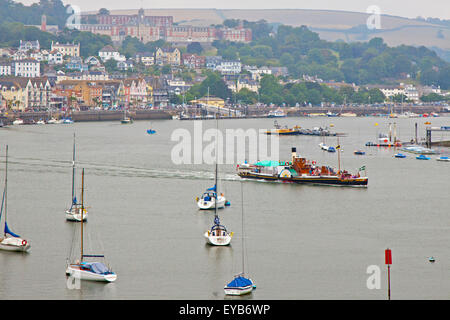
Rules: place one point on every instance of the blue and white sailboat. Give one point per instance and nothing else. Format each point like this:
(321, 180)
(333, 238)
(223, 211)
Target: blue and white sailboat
(240, 285)
(10, 241)
(209, 198)
(151, 131)
(83, 270)
(75, 213)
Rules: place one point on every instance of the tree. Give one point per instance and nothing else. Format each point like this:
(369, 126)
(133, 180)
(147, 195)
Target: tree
(103, 11)
(194, 47)
(246, 96)
(217, 87)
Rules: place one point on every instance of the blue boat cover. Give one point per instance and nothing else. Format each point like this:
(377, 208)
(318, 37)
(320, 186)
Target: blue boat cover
(7, 231)
(97, 267)
(212, 188)
(240, 282)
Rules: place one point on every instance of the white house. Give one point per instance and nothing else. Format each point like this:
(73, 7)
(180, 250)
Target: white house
(55, 57)
(27, 68)
(109, 52)
(229, 67)
(5, 69)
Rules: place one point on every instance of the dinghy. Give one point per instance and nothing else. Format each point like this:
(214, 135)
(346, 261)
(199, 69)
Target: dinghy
(443, 158)
(422, 157)
(399, 155)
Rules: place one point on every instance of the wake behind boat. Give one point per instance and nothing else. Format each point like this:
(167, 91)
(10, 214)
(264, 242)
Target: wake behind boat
(10, 241)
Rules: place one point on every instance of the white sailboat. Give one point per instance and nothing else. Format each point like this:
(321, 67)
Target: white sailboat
(75, 213)
(240, 285)
(125, 119)
(83, 270)
(218, 235)
(10, 241)
(210, 199)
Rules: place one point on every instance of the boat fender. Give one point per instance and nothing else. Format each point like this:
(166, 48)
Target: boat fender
(24, 242)
(196, 199)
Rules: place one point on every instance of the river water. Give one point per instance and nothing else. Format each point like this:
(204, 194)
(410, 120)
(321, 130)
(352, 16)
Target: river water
(301, 241)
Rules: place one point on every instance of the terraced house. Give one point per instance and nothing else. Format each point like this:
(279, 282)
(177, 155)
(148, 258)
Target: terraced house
(25, 93)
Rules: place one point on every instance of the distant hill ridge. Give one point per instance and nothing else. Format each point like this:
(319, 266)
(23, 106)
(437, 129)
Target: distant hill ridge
(331, 25)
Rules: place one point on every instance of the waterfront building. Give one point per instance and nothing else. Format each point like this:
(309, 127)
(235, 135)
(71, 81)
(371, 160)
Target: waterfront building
(25, 93)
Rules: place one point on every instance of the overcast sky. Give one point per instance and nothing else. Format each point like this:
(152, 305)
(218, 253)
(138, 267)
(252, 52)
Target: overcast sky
(403, 8)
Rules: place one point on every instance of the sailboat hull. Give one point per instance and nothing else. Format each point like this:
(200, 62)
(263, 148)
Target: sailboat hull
(238, 291)
(14, 244)
(217, 240)
(77, 273)
(75, 215)
(210, 204)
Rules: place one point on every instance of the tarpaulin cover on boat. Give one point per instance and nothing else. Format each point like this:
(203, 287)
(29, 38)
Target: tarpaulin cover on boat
(10, 232)
(240, 282)
(268, 163)
(212, 188)
(97, 267)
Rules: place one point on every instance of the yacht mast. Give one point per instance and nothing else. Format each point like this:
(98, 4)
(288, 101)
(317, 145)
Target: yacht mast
(82, 209)
(6, 185)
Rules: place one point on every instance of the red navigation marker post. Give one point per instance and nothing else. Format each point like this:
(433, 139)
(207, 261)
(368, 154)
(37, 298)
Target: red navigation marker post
(388, 261)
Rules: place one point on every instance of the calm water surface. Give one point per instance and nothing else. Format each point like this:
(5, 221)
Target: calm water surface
(302, 242)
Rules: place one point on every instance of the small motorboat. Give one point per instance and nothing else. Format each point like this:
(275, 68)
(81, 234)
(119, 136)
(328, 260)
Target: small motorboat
(126, 121)
(40, 122)
(422, 157)
(18, 121)
(443, 158)
(331, 149)
(239, 286)
(359, 152)
(67, 121)
(52, 121)
(151, 131)
(399, 155)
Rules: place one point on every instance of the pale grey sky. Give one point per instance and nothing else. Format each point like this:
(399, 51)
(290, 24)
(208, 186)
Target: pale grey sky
(403, 8)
